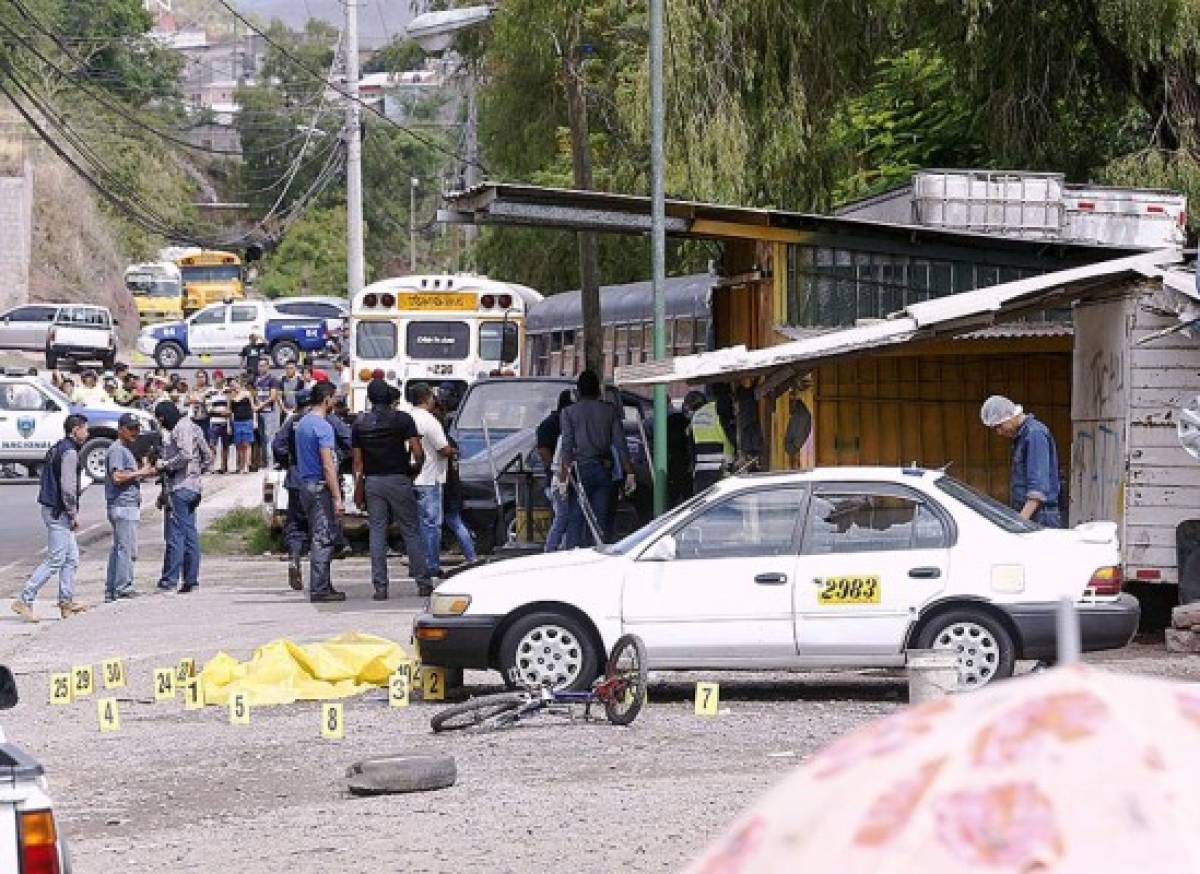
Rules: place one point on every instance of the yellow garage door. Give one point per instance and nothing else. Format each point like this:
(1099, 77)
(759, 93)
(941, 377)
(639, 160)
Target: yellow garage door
(925, 409)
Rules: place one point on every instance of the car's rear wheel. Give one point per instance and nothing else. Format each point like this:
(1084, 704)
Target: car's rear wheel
(550, 649)
(983, 646)
(285, 352)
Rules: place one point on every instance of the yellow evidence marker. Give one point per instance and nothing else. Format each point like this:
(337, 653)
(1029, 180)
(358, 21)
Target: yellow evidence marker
(332, 725)
(164, 684)
(193, 694)
(60, 688)
(113, 673)
(239, 709)
(186, 669)
(708, 696)
(398, 689)
(108, 713)
(433, 684)
(83, 681)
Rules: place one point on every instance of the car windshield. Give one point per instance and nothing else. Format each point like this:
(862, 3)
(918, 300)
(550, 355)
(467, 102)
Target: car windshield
(651, 530)
(986, 506)
(508, 406)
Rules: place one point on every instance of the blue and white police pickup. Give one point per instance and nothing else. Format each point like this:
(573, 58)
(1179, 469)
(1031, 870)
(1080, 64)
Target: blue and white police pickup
(225, 328)
(32, 413)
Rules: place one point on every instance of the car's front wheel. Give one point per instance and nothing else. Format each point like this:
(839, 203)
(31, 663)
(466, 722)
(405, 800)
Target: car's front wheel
(984, 648)
(550, 649)
(92, 458)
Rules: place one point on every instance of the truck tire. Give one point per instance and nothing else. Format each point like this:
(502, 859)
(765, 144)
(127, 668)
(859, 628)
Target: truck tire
(401, 773)
(169, 354)
(284, 352)
(91, 457)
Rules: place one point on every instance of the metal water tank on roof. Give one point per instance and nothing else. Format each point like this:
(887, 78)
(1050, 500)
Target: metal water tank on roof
(990, 201)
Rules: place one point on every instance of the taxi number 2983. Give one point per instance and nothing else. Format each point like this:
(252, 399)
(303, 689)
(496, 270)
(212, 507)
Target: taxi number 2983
(849, 590)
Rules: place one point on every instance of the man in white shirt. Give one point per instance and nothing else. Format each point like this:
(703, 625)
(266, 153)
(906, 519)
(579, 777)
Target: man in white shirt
(428, 483)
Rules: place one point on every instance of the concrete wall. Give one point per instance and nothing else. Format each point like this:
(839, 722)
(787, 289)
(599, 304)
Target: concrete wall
(16, 236)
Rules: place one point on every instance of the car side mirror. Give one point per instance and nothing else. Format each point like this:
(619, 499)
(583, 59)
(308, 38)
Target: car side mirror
(662, 550)
(8, 689)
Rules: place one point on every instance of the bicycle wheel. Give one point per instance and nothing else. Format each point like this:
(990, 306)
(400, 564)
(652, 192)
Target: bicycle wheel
(624, 683)
(478, 711)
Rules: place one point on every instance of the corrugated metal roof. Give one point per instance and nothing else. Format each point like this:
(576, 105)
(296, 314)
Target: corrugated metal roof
(949, 316)
(1007, 331)
(686, 296)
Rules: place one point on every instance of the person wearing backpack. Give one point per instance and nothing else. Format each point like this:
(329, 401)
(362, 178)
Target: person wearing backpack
(58, 495)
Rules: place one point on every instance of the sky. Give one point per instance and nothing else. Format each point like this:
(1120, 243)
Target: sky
(378, 20)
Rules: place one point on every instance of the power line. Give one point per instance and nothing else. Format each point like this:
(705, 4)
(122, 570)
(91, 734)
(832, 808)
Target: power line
(300, 64)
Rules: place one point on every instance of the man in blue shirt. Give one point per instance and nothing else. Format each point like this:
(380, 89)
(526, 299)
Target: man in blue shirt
(123, 495)
(320, 493)
(1035, 484)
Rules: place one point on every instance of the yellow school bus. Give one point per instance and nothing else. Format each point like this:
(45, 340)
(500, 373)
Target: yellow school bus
(210, 276)
(157, 290)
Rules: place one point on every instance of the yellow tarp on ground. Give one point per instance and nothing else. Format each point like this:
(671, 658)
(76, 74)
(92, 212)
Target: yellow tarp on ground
(281, 672)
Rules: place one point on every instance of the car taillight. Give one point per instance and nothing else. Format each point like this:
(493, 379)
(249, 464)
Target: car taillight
(1106, 581)
(39, 843)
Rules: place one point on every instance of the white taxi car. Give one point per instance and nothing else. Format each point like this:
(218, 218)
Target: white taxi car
(833, 568)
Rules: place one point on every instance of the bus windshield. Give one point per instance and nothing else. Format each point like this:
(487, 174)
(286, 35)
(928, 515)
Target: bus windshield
(152, 285)
(216, 273)
(438, 341)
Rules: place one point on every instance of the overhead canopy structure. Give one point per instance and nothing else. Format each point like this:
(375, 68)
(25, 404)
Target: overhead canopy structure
(497, 203)
(941, 317)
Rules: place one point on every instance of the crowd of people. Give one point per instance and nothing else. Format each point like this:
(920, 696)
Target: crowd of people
(404, 467)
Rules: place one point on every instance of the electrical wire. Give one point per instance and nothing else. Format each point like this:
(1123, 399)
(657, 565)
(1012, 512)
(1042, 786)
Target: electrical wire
(301, 65)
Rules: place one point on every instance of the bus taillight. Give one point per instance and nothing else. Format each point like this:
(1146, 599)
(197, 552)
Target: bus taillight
(505, 301)
(370, 300)
(387, 300)
(487, 301)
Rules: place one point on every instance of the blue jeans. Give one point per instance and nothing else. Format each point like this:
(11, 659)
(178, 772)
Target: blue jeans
(183, 541)
(323, 526)
(62, 557)
(429, 507)
(454, 521)
(119, 579)
(596, 479)
(558, 524)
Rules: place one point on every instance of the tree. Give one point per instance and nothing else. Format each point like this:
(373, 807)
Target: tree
(397, 56)
(312, 257)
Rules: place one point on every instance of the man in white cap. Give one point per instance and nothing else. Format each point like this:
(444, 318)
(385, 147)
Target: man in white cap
(1035, 484)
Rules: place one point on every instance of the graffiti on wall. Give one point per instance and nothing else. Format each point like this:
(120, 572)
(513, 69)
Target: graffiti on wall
(1097, 471)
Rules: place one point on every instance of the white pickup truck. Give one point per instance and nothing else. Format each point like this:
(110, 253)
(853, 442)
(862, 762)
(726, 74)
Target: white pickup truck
(225, 328)
(30, 842)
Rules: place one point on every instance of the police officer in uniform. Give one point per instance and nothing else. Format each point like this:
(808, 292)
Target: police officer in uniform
(295, 525)
(714, 450)
(58, 495)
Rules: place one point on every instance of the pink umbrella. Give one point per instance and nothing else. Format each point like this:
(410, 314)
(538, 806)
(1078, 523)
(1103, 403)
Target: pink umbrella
(1073, 769)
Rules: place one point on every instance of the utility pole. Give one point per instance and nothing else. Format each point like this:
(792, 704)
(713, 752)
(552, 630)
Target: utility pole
(355, 273)
(413, 182)
(658, 249)
(471, 174)
(581, 164)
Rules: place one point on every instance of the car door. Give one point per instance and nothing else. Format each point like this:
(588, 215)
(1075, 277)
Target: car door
(243, 321)
(30, 420)
(717, 589)
(871, 555)
(26, 327)
(207, 329)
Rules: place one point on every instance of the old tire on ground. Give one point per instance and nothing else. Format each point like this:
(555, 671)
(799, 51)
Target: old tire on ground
(983, 645)
(285, 352)
(92, 457)
(169, 354)
(403, 772)
(469, 714)
(550, 648)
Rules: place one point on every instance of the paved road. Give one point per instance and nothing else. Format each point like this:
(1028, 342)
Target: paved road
(22, 535)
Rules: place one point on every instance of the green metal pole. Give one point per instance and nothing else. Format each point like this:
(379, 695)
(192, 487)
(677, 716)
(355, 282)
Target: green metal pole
(658, 249)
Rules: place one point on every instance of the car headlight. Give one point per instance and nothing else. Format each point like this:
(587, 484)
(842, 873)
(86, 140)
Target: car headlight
(449, 605)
